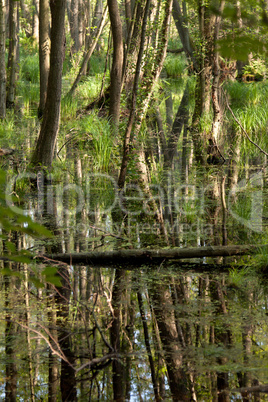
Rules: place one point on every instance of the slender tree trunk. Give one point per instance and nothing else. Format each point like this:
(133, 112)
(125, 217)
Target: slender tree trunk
(137, 114)
(44, 151)
(44, 52)
(29, 344)
(223, 336)
(148, 347)
(117, 66)
(93, 42)
(12, 53)
(10, 336)
(216, 91)
(181, 25)
(127, 140)
(118, 367)
(35, 20)
(2, 59)
(76, 25)
(53, 365)
(134, 39)
(180, 120)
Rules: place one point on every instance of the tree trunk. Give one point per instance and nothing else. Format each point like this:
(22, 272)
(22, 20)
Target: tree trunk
(181, 25)
(2, 60)
(118, 367)
(148, 347)
(92, 45)
(75, 25)
(164, 313)
(35, 20)
(117, 66)
(12, 53)
(216, 90)
(44, 151)
(44, 52)
(137, 114)
(10, 336)
(150, 256)
(127, 139)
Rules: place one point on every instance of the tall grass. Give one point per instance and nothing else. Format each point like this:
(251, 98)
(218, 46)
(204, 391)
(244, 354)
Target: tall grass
(100, 142)
(175, 66)
(249, 104)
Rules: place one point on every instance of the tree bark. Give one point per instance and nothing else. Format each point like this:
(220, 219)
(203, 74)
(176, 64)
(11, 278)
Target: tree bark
(12, 53)
(164, 313)
(44, 53)
(44, 151)
(183, 31)
(2, 60)
(118, 367)
(117, 66)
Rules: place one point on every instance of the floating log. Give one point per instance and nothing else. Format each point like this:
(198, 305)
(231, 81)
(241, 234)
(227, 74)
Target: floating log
(149, 256)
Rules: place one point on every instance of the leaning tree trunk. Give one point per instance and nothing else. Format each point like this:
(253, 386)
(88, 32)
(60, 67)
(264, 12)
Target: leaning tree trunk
(44, 151)
(2, 60)
(44, 51)
(137, 113)
(92, 45)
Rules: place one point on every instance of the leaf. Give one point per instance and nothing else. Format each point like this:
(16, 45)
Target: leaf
(9, 272)
(33, 227)
(51, 276)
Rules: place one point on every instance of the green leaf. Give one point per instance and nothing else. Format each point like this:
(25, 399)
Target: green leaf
(51, 276)
(9, 272)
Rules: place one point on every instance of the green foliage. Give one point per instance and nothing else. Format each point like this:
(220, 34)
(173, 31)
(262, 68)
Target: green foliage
(29, 68)
(175, 66)
(249, 104)
(98, 136)
(257, 68)
(239, 47)
(28, 45)
(50, 275)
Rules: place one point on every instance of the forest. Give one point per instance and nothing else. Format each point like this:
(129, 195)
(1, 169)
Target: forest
(133, 202)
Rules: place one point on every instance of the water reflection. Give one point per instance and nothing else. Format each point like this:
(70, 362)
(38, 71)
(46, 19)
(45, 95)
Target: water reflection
(158, 332)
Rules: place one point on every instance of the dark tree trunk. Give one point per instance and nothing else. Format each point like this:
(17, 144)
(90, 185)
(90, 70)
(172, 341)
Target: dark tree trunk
(117, 66)
(118, 367)
(44, 151)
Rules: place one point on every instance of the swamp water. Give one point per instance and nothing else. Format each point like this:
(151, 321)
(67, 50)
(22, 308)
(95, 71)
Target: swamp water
(179, 330)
